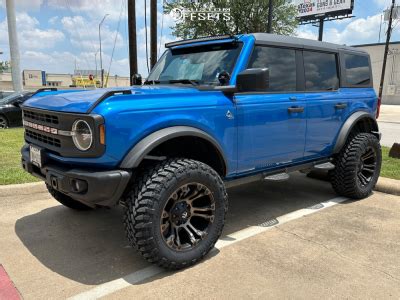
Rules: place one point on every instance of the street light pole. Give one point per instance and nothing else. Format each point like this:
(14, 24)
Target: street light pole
(385, 54)
(101, 56)
(95, 61)
(14, 48)
(270, 12)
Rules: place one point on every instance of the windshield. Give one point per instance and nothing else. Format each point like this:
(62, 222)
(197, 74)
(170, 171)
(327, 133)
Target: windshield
(201, 64)
(11, 98)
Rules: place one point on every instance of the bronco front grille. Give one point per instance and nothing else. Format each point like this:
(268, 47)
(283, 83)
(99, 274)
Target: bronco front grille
(42, 117)
(43, 138)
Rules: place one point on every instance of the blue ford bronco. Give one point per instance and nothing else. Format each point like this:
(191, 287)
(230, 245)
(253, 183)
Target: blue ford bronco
(213, 113)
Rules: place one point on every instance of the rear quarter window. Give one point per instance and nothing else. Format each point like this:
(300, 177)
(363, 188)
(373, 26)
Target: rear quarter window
(358, 70)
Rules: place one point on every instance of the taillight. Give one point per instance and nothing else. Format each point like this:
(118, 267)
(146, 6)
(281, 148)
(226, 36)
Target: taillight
(378, 108)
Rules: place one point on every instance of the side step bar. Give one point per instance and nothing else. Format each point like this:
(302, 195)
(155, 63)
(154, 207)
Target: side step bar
(277, 174)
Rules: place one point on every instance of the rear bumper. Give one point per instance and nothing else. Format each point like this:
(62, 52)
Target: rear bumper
(90, 187)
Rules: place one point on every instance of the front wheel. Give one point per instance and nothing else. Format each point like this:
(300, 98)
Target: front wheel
(358, 166)
(175, 212)
(3, 122)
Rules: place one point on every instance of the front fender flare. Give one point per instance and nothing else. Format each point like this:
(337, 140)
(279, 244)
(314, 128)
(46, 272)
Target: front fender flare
(141, 149)
(349, 125)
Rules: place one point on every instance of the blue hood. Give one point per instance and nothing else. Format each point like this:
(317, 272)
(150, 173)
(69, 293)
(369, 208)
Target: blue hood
(82, 101)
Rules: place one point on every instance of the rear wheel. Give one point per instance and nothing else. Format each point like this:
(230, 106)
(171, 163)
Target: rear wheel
(358, 166)
(66, 200)
(3, 122)
(175, 213)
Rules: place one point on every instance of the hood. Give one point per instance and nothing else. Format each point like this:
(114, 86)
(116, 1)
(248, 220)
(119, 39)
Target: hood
(82, 101)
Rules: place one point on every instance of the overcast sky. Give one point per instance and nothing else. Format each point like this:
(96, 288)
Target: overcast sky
(54, 34)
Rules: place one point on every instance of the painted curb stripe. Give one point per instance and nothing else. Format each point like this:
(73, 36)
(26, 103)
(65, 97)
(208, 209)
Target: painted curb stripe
(146, 273)
(7, 288)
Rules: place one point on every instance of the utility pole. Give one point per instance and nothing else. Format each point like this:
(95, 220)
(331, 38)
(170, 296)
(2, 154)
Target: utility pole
(153, 33)
(270, 11)
(389, 33)
(133, 66)
(14, 48)
(321, 29)
(101, 56)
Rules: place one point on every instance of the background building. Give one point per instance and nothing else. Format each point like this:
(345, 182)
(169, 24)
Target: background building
(35, 79)
(391, 90)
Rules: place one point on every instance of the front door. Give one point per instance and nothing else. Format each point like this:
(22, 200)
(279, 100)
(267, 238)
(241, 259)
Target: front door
(271, 124)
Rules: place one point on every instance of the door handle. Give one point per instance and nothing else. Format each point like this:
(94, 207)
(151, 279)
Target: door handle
(296, 109)
(340, 106)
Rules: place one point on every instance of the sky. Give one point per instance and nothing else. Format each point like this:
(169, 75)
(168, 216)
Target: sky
(56, 35)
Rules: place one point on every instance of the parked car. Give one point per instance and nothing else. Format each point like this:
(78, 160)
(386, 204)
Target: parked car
(213, 113)
(4, 94)
(10, 110)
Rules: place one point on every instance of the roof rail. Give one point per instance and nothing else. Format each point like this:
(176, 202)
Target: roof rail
(203, 39)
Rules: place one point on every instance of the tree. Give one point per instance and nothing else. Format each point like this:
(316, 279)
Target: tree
(4, 66)
(244, 17)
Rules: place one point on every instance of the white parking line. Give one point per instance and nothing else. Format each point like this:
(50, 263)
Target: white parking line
(146, 273)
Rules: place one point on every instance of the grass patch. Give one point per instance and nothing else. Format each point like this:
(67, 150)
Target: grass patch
(390, 166)
(11, 141)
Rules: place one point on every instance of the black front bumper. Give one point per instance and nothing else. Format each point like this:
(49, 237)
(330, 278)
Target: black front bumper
(91, 187)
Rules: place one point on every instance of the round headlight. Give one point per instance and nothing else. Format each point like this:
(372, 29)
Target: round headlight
(82, 135)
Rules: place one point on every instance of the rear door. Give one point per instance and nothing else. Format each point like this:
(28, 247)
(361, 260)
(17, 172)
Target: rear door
(272, 124)
(327, 107)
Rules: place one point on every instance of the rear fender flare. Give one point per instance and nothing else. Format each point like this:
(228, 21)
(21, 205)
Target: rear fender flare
(349, 125)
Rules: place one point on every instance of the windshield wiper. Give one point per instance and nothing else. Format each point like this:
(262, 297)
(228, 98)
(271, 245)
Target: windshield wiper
(152, 82)
(185, 81)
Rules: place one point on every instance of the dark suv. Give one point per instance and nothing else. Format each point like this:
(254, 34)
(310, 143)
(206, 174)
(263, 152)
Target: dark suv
(213, 113)
(10, 111)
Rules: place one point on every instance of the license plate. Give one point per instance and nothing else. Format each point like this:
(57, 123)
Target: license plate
(36, 156)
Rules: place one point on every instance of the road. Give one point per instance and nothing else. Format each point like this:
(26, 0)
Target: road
(279, 241)
(389, 124)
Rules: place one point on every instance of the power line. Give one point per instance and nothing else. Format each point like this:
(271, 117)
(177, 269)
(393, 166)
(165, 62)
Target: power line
(115, 39)
(161, 30)
(145, 31)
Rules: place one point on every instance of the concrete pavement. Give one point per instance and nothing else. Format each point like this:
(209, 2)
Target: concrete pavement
(349, 250)
(389, 124)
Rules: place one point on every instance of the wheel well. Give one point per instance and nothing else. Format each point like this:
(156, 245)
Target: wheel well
(366, 125)
(191, 147)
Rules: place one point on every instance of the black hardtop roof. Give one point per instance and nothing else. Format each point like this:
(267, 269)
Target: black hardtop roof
(295, 42)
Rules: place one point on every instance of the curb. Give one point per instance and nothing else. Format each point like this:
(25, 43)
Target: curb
(22, 189)
(388, 186)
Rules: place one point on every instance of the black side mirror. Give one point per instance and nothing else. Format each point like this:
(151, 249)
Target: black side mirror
(137, 79)
(253, 80)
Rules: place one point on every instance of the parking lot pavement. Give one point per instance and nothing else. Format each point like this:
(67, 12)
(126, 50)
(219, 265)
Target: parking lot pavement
(349, 250)
(389, 124)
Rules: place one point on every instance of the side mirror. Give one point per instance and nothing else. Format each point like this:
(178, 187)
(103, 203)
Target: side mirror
(17, 103)
(253, 80)
(137, 79)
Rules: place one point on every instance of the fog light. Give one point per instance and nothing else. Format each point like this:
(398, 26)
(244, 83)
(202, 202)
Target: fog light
(78, 186)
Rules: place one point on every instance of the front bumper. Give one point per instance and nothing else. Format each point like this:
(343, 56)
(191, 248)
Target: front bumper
(91, 187)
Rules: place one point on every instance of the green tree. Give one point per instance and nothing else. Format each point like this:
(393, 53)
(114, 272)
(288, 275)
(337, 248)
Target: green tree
(245, 17)
(4, 66)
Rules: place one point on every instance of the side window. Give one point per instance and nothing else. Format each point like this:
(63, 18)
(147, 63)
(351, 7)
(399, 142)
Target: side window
(281, 64)
(321, 72)
(358, 71)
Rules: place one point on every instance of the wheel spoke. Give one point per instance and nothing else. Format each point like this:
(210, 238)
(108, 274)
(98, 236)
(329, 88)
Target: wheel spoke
(364, 180)
(205, 209)
(193, 240)
(369, 170)
(367, 155)
(207, 217)
(196, 231)
(165, 227)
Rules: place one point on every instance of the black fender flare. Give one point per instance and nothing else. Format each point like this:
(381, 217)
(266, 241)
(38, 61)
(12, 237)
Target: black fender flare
(349, 125)
(135, 156)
